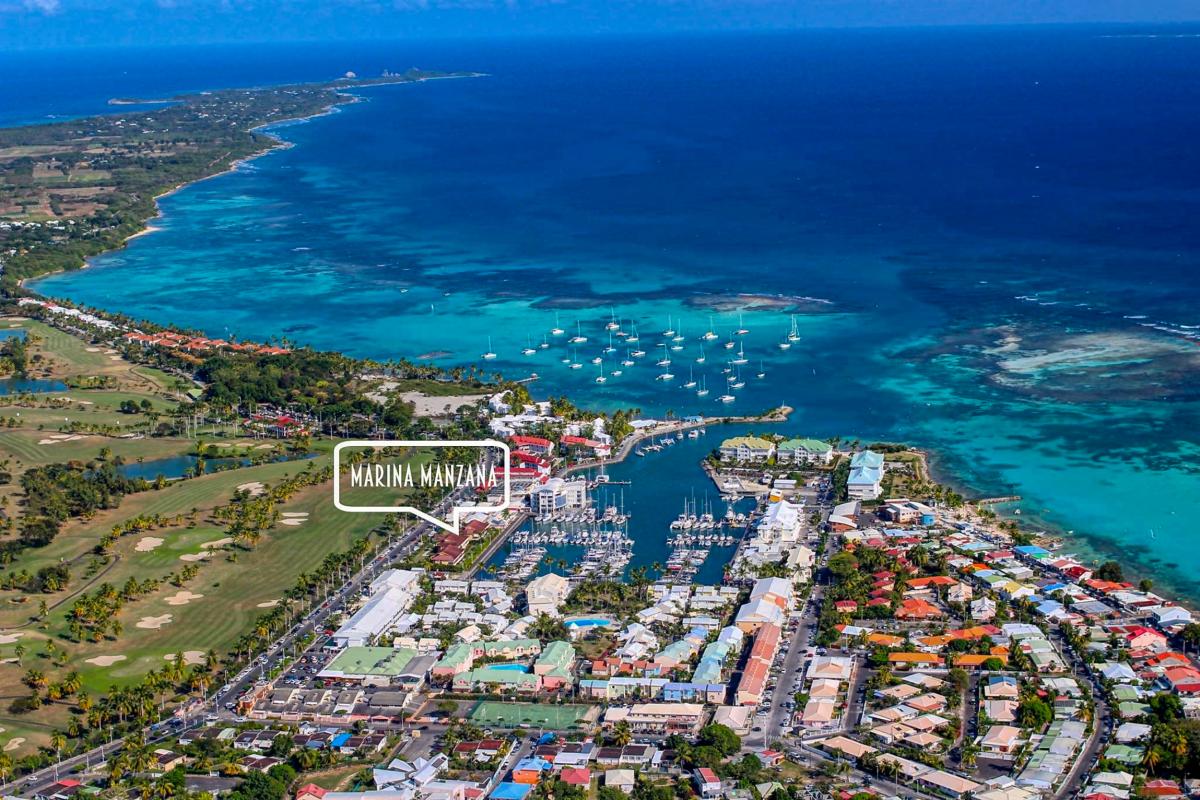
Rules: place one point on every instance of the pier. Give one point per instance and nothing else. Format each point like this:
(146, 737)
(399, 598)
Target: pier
(991, 501)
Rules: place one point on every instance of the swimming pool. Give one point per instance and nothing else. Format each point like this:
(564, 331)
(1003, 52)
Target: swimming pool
(589, 622)
(509, 667)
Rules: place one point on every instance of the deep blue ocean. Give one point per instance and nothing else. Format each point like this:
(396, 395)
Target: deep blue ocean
(986, 239)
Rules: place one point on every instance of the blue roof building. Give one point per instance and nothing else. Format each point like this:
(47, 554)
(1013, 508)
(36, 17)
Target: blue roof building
(511, 791)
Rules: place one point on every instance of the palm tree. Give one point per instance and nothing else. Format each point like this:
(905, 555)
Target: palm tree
(1152, 759)
(622, 734)
(58, 741)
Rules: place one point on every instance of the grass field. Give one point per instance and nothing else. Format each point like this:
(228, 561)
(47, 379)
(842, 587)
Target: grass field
(236, 585)
(498, 714)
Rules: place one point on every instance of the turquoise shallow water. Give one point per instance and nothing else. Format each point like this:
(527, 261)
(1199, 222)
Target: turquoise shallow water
(991, 258)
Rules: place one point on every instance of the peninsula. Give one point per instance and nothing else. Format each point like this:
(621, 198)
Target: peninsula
(76, 188)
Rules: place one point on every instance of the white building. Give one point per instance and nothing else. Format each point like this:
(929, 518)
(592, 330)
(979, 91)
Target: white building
(391, 595)
(544, 595)
(557, 495)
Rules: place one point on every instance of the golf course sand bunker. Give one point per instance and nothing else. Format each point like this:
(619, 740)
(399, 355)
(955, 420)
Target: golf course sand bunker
(195, 556)
(268, 604)
(14, 743)
(190, 657)
(10, 638)
(154, 623)
(217, 543)
(147, 543)
(294, 518)
(182, 598)
(104, 661)
(255, 488)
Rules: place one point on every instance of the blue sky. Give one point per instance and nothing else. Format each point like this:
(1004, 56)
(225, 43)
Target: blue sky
(52, 23)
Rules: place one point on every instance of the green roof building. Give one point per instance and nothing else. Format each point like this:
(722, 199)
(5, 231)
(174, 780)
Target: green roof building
(375, 666)
(804, 451)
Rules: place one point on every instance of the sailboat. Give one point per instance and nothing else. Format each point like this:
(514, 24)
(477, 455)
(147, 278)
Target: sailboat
(557, 329)
(545, 344)
(633, 337)
(575, 360)
(669, 331)
(794, 333)
(610, 348)
(616, 373)
(489, 355)
(628, 362)
(691, 381)
(665, 361)
(710, 334)
(738, 383)
(703, 390)
(597, 360)
(578, 338)
(762, 373)
(638, 353)
(700, 358)
(528, 350)
(678, 337)
(741, 329)
(612, 323)
(741, 357)
(600, 378)
(730, 344)
(726, 398)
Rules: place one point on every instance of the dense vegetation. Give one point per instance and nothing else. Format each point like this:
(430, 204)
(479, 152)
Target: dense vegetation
(57, 492)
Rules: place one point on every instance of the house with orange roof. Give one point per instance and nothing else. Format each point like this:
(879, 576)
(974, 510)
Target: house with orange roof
(885, 640)
(911, 659)
(916, 608)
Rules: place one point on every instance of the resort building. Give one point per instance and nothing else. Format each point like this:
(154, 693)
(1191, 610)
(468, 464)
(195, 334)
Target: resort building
(747, 448)
(544, 595)
(866, 476)
(804, 451)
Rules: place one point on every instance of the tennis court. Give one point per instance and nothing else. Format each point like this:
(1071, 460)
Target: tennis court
(533, 715)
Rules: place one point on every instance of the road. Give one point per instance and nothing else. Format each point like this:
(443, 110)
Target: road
(777, 718)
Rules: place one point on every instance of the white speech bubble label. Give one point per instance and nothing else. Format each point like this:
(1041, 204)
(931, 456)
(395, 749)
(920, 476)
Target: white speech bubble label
(455, 512)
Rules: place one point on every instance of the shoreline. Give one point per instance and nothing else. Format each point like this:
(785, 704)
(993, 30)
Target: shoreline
(277, 143)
